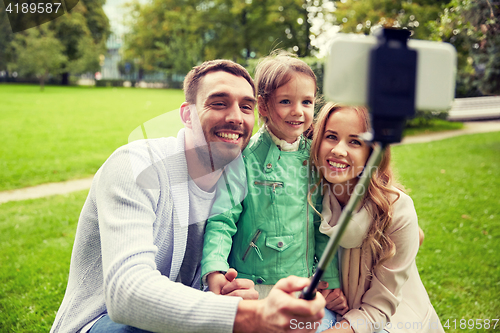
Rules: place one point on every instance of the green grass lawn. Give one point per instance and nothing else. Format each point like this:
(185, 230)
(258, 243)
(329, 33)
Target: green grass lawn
(68, 132)
(454, 186)
(456, 190)
(431, 126)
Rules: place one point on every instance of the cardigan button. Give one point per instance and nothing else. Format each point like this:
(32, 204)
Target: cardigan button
(259, 281)
(269, 165)
(280, 244)
(304, 163)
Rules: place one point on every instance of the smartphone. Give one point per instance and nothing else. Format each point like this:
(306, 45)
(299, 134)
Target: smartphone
(346, 71)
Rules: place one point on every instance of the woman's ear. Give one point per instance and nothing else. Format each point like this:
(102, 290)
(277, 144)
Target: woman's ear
(261, 104)
(185, 113)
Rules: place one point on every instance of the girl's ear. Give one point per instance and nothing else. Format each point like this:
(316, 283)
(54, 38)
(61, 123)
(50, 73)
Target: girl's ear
(262, 107)
(185, 113)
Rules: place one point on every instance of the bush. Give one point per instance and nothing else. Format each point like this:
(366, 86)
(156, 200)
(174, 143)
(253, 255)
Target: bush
(425, 118)
(109, 83)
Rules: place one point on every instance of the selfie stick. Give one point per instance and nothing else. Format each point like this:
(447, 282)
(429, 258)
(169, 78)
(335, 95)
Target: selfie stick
(391, 100)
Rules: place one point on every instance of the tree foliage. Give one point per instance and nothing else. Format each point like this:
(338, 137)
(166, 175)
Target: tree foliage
(38, 53)
(473, 27)
(82, 32)
(174, 35)
(6, 38)
(363, 16)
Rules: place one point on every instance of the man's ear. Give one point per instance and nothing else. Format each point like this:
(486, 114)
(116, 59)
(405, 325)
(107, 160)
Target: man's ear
(261, 105)
(185, 112)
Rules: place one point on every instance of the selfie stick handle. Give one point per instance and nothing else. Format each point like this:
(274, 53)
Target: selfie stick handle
(309, 292)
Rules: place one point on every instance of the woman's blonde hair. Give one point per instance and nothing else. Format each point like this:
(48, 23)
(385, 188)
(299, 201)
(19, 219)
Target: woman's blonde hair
(380, 196)
(275, 71)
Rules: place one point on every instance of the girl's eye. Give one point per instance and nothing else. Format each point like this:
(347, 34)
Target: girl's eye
(285, 101)
(307, 102)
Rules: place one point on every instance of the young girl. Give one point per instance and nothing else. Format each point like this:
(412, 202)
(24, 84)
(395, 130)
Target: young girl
(379, 275)
(272, 234)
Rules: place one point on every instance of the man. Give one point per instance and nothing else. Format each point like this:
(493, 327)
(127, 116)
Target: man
(139, 237)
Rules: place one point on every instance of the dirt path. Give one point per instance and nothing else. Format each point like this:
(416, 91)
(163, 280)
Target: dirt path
(83, 184)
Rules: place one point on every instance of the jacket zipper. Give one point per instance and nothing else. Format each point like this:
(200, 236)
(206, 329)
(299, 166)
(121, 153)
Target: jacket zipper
(269, 183)
(272, 184)
(252, 245)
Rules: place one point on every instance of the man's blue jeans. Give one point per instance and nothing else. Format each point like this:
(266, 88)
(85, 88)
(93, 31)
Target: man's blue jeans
(328, 321)
(106, 325)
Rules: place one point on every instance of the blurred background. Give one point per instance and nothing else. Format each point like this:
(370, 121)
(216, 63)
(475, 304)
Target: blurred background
(154, 43)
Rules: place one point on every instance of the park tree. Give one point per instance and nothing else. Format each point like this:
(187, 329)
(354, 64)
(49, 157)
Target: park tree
(6, 37)
(473, 27)
(83, 32)
(174, 35)
(164, 36)
(38, 52)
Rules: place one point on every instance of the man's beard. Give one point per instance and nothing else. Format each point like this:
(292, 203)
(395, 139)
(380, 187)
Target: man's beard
(216, 155)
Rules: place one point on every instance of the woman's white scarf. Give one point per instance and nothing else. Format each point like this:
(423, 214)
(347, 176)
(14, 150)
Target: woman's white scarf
(356, 230)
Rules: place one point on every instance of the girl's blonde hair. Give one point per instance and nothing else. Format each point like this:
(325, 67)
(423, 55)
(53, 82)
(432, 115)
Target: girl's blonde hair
(275, 71)
(380, 197)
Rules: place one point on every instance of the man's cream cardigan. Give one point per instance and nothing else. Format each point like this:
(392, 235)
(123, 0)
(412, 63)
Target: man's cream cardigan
(130, 244)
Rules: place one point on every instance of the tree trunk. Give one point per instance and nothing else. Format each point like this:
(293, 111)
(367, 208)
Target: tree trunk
(65, 79)
(42, 82)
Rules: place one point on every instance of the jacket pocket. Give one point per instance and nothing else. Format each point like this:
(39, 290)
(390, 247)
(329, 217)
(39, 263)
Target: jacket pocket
(280, 243)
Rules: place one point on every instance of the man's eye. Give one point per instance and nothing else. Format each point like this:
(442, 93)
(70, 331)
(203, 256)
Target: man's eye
(247, 108)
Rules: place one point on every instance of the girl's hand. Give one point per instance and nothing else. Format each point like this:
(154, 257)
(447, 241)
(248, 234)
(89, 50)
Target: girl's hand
(335, 300)
(227, 284)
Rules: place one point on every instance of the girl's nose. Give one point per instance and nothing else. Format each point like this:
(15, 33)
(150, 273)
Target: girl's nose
(297, 110)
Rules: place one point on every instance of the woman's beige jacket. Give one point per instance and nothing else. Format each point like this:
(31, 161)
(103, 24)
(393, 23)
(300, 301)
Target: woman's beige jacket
(391, 296)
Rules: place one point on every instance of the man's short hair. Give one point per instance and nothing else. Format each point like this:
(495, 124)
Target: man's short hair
(193, 78)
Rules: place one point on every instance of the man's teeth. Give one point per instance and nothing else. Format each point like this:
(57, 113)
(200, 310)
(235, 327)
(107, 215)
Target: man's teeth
(229, 136)
(338, 165)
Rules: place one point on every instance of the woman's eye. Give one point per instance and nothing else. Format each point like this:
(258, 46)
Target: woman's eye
(356, 142)
(331, 137)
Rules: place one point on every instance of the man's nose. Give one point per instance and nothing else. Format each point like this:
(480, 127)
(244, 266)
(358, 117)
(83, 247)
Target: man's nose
(234, 114)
